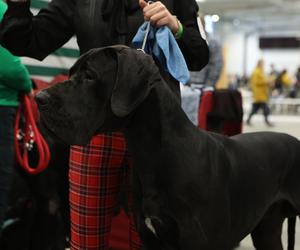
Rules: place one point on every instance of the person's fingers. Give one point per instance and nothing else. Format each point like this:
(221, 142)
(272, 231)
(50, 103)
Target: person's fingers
(151, 8)
(154, 11)
(142, 3)
(31, 94)
(162, 22)
(161, 10)
(160, 19)
(158, 14)
(156, 17)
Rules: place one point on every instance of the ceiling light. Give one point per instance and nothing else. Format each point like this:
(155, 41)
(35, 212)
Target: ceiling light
(236, 22)
(215, 18)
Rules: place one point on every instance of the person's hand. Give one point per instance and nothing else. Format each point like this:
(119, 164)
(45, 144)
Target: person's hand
(159, 15)
(31, 94)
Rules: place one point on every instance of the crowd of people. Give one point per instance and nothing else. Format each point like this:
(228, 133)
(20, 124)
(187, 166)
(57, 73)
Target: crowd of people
(285, 84)
(273, 84)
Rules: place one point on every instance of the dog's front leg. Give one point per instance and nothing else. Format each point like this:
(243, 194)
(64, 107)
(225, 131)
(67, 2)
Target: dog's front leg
(149, 239)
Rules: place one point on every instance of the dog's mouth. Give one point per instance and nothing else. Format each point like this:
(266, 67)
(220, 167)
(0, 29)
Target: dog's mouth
(56, 125)
(52, 128)
(54, 119)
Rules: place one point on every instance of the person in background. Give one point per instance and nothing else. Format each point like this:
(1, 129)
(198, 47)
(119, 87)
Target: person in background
(273, 72)
(298, 77)
(14, 79)
(260, 86)
(283, 82)
(211, 73)
(297, 82)
(97, 169)
(295, 86)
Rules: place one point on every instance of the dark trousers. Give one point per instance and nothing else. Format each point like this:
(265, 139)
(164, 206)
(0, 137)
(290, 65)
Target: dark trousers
(256, 107)
(7, 155)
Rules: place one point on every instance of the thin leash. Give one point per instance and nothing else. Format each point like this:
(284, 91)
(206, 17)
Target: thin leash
(146, 33)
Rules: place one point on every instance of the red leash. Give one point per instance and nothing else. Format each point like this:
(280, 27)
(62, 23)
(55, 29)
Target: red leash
(24, 140)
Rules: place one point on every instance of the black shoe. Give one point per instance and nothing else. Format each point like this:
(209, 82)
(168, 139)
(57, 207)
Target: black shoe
(248, 123)
(269, 124)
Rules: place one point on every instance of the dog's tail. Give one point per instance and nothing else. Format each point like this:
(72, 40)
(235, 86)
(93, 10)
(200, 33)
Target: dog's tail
(291, 232)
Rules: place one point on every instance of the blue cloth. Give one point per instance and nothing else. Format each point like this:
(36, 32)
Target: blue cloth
(162, 44)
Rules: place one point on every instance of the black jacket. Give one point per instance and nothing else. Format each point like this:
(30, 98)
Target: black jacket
(38, 36)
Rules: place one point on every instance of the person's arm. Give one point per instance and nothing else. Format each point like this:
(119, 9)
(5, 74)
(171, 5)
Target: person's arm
(192, 45)
(286, 80)
(13, 73)
(36, 36)
(215, 64)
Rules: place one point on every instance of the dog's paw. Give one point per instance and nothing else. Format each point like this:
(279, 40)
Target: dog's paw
(149, 225)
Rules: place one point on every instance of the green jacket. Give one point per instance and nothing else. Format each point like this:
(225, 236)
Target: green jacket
(14, 77)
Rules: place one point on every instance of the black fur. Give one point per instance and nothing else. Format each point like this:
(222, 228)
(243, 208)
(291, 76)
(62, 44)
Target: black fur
(38, 213)
(201, 190)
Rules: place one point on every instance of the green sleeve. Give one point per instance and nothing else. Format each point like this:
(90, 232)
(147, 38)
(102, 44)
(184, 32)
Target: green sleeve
(13, 73)
(3, 8)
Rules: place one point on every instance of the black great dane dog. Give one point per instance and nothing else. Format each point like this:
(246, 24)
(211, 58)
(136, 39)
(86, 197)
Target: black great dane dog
(193, 189)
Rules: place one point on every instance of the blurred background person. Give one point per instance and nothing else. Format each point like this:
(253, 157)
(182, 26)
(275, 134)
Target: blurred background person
(211, 73)
(296, 86)
(273, 74)
(273, 71)
(260, 86)
(283, 83)
(298, 77)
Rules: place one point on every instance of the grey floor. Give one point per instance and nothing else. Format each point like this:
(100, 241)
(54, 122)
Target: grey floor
(289, 124)
(246, 244)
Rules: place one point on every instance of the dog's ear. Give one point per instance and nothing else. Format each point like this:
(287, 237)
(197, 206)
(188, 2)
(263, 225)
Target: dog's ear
(136, 74)
(80, 61)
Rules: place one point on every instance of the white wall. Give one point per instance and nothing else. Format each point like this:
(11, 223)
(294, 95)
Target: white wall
(234, 50)
(283, 59)
(235, 44)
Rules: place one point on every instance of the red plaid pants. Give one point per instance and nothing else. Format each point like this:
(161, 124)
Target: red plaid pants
(96, 172)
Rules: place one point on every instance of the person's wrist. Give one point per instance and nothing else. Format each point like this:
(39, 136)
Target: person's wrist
(178, 34)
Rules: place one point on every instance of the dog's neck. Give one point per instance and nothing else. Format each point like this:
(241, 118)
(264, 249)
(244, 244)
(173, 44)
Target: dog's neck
(156, 120)
(158, 128)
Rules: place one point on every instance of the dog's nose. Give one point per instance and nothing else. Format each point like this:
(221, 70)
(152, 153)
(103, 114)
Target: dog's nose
(42, 98)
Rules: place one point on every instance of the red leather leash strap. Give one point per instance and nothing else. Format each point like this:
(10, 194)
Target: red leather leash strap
(24, 140)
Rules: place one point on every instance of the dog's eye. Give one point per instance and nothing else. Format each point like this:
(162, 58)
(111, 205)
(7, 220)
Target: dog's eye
(88, 71)
(89, 75)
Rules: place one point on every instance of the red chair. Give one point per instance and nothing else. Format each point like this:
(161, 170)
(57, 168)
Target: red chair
(221, 111)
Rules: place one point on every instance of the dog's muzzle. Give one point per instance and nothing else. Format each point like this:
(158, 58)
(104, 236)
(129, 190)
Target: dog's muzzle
(42, 99)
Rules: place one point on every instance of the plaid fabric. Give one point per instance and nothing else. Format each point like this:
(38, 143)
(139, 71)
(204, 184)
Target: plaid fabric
(96, 172)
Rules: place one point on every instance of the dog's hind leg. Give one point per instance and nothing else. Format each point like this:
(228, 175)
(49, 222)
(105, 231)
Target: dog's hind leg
(267, 234)
(291, 186)
(291, 232)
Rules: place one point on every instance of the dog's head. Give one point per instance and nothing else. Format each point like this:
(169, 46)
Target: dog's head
(105, 87)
